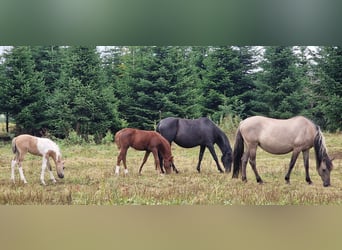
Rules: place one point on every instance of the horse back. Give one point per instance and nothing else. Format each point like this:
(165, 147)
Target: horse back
(26, 143)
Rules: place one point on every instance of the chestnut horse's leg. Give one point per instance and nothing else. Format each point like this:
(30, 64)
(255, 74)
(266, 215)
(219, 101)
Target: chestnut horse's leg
(44, 165)
(52, 178)
(121, 157)
(144, 160)
(156, 160)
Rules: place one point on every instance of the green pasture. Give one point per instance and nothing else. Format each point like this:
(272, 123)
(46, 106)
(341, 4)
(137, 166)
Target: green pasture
(90, 180)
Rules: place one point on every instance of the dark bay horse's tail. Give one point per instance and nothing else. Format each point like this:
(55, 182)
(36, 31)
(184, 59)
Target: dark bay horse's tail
(238, 152)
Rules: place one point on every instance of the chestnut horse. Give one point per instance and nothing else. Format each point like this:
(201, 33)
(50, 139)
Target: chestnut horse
(277, 136)
(149, 141)
(37, 146)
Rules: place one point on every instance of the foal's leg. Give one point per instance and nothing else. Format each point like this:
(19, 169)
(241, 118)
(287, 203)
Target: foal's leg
(13, 165)
(294, 157)
(306, 165)
(200, 157)
(213, 153)
(252, 161)
(144, 160)
(44, 165)
(52, 178)
(19, 159)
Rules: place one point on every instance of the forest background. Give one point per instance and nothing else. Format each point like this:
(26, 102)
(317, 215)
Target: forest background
(92, 91)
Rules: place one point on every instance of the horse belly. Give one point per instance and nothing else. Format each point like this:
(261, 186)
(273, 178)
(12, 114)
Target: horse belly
(276, 148)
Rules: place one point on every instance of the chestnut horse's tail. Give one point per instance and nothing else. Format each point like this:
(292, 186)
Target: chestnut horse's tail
(238, 152)
(117, 139)
(14, 146)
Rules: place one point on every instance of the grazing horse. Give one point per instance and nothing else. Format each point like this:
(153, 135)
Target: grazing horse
(277, 136)
(149, 141)
(198, 132)
(37, 146)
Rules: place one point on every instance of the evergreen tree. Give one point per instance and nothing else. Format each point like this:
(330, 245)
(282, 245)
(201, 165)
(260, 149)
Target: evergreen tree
(24, 91)
(279, 90)
(328, 88)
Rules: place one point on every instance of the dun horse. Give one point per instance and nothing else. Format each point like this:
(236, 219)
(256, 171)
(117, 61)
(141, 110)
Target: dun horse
(198, 132)
(277, 136)
(149, 141)
(37, 146)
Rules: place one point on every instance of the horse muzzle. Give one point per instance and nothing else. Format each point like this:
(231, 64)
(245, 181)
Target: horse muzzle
(61, 175)
(326, 184)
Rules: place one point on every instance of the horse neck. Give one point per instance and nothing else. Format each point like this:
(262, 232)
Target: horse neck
(223, 142)
(166, 153)
(320, 148)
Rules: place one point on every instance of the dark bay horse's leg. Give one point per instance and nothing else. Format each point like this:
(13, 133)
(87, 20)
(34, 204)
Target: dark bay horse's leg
(252, 161)
(294, 157)
(200, 157)
(306, 165)
(144, 160)
(213, 153)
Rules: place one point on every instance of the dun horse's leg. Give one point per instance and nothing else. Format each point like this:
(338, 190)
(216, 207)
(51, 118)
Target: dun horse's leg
(200, 157)
(306, 165)
(292, 163)
(52, 178)
(43, 170)
(213, 153)
(252, 161)
(244, 160)
(144, 160)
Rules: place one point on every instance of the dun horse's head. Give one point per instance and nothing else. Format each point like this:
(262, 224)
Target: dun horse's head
(60, 167)
(324, 170)
(168, 164)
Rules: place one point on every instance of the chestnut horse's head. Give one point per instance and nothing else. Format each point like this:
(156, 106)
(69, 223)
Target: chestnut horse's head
(168, 161)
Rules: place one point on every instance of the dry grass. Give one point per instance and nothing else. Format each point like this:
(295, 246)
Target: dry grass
(89, 179)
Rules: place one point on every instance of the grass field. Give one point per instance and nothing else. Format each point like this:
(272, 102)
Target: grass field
(89, 179)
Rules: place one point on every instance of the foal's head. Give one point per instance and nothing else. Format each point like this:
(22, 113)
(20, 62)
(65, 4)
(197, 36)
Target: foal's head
(60, 167)
(168, 164)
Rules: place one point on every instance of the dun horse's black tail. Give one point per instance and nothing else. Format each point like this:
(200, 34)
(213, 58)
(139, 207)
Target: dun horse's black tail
(238, 152)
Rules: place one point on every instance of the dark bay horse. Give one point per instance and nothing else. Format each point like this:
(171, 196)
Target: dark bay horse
(198, 132)
(149, 141)
(277, 136)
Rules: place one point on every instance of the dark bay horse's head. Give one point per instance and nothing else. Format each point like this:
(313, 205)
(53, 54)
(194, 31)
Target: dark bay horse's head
(324, 170)
(227, 161)
(168, 161)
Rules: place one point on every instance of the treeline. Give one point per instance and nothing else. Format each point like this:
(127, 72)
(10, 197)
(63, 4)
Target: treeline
(60, 89)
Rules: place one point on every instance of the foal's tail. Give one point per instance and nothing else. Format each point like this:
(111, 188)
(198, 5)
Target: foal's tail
(14, 146)
(238, 151)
